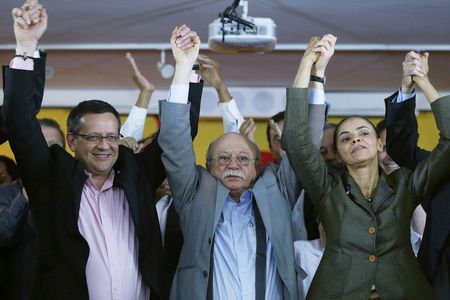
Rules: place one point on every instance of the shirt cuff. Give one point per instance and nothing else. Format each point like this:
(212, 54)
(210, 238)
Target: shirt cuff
(178, 93)
(316, 96)
(135, 122)
(232, 118)
(401, 97)
(27, 64)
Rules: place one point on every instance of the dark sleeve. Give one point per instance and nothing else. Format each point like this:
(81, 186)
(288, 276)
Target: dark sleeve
(152, 153)
(24, 132)
(39, 80)
(402, 133)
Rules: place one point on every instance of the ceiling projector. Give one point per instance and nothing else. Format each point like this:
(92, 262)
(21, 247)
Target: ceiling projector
(230, 33)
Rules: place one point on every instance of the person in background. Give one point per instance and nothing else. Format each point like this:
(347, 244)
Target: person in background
(402, 137)
(52, 132)
(17, 240)
(328, 150)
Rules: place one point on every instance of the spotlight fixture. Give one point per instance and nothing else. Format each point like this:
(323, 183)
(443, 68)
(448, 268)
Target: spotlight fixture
(166, 70)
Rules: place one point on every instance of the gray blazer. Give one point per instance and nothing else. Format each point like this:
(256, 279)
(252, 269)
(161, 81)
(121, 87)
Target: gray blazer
(367, 243)
(199, 200)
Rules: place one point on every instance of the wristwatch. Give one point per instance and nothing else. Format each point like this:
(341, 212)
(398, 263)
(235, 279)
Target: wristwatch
(317, 79)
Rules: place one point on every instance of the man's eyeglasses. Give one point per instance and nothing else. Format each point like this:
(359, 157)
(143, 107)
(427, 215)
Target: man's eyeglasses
(241, 159)
(97, 138)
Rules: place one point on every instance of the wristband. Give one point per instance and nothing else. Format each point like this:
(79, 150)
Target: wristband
(24, 56)
(317, 79)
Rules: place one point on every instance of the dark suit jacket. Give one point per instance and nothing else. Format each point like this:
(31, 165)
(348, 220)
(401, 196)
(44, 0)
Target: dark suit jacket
(402, 147)
(54, 181)
(367, 243)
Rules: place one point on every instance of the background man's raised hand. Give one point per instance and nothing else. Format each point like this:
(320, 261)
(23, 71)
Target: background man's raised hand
(141, 82)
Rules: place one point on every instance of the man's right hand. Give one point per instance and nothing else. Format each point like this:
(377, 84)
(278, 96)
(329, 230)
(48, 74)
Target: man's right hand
(30, 23)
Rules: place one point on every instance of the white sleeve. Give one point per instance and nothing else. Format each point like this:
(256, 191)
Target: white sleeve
(404, 96)
(135, 123)
(316, 96)
(178, 93)
(231, 116)
(19, 63)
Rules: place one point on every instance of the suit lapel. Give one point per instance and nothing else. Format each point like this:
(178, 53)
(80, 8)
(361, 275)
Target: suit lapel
(222, 194)
(353, 191)
(79, 180)
(128, 182)
(260, 193)
(382, 192)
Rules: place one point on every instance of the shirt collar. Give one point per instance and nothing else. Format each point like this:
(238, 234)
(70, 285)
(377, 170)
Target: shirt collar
(108, 183)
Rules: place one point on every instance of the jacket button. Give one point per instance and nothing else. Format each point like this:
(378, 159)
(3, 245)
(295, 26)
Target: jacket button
(371, 230)
(205, 274)
(372, 258)
(209, 240)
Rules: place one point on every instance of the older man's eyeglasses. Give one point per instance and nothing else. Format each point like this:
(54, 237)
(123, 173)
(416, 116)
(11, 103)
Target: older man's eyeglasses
(97, 138)
(241, 159)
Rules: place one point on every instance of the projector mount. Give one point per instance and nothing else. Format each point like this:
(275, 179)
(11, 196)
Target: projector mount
(229, 15)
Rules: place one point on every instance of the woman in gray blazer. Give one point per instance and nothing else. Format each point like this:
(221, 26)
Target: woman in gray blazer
(365, 213)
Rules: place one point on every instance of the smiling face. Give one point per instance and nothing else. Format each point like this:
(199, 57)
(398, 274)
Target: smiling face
(233, 162)
(357, 142)
(97, 158)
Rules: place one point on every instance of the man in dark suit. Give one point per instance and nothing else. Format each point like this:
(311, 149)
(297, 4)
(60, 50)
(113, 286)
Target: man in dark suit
(98, 231)
(402, 136)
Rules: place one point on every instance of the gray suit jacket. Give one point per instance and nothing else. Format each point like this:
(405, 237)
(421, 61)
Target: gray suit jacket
(368, 243)
(199, 199)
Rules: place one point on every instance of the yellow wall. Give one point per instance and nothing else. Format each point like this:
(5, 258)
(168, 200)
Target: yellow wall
(210, 129)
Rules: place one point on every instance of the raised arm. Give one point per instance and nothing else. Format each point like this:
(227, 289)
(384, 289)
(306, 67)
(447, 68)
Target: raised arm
(25, 135)
(401, 124)
(303, 155)
(175, 135)
(135, 122)
(434, 170)
(231, 116)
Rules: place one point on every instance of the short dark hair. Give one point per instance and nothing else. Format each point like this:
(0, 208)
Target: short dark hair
(350, 117)
(276, 118)
(11, 167)
(253, 147)
(381, 126)
(47, 122)
(88, 107)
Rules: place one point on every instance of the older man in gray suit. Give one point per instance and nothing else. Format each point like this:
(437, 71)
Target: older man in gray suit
(235, 218)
